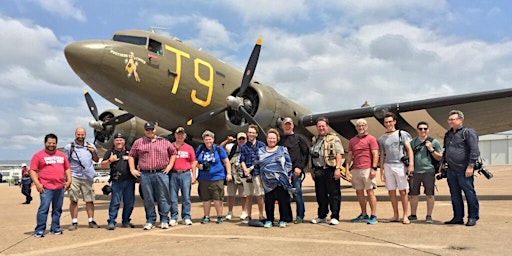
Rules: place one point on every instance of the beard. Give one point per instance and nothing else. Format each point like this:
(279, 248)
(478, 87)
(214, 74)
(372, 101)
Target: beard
(80, 140)
(50, 148)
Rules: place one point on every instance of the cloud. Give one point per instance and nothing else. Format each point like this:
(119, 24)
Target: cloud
(268, 11)
(63, 8)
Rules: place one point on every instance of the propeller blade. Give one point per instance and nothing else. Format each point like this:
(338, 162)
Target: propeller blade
(251, 119)
(205, 116)
(118, 120)
(91, 105)
(251, 66)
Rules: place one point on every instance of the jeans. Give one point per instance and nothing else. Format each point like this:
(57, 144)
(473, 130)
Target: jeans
(56, 198)
(299, 199)
(26, 191)
(458, 182)
(328, 193)
(124, 190)
(155, 188)
(177, 181)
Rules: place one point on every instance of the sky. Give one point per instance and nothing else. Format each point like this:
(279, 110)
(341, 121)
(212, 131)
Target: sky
(323, 54)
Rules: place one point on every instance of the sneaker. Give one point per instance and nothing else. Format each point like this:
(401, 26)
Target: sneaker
(220, 220)
(229, 215)
(282, 224)
(429, 219)
(334, 222)
(413, 217)
(360, 218)
(111, 226)
(173, 223)
(246, 220)
(243, 216)
(268, 224)
(57, 232)
(205, 220)
(317, 220)
(298, 220)
(372, 220)
(73, 227)
(92, 224)
(148, 226)
(38, 235)
(187, 222)
(128, 225)
(164, 225)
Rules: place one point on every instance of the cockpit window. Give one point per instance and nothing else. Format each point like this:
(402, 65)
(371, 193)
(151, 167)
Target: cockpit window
(155, 46)
(137, 40)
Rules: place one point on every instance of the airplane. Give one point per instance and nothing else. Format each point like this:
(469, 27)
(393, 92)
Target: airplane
(154, 77)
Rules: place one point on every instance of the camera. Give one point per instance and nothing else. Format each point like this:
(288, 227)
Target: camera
(106, 190)
(479, 167)
(206, 166)
(405, 160)
(314, 154)
(441, 175)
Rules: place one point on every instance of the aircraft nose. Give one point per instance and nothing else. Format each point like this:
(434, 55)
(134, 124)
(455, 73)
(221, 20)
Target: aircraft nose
(85, 57)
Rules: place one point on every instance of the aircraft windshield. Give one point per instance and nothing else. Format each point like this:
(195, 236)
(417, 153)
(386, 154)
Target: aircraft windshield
(137, 40)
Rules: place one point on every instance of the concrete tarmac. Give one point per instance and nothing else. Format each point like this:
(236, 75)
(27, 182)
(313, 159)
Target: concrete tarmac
(491, 236)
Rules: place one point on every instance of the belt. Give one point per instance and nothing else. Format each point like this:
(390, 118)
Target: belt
(180, 171)
(324, 167)
(152, 171)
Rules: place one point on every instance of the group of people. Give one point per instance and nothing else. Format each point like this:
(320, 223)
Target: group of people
(271, 172)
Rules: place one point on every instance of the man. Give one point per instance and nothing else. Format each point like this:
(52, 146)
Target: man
(247, 158)
(49, 170)
(299, 154)
(181, 178)
(123, 182)
(396, 159)
(233, 147)
(461, 152)
(326, 156)
(156, 157)
(362, 161)
(82, 156)
(424, 148)
(26, 183)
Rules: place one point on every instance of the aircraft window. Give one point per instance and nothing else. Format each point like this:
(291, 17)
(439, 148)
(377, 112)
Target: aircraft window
(155, 46)
(137, 40)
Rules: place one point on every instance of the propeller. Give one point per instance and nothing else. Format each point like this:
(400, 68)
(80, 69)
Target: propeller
(238, 102)
(103, 128)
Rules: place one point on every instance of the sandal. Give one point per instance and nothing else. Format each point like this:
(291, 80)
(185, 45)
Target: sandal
(394, 220)
(406, 221)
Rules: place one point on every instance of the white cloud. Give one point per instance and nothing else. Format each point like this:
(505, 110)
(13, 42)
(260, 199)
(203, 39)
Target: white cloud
(63, 8)
(267, 11)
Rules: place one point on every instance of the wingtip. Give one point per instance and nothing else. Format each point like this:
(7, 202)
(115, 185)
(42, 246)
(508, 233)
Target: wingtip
(86, 92)
(260, 40)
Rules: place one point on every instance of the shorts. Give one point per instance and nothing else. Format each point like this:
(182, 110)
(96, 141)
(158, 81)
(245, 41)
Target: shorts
(361, 181)
(427, 179)
(395, 176)
(211, 190)
(232, 188)
(83, 187)
(253, 188)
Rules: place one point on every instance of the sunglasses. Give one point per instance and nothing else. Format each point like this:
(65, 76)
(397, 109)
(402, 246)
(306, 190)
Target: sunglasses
(422, 129)
(241, 138)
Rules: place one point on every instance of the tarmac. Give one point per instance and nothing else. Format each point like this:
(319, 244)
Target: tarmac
(491, 236)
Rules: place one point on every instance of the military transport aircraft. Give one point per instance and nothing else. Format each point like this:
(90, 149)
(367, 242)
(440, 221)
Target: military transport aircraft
(162, 79)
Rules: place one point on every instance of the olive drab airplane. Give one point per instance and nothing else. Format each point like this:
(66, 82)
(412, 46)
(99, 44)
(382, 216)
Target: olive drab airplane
(153, 77)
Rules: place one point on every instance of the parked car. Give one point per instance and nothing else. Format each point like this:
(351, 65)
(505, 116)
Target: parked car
(102, 178)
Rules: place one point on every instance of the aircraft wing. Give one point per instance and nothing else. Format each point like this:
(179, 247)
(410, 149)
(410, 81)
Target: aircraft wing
(486, 112)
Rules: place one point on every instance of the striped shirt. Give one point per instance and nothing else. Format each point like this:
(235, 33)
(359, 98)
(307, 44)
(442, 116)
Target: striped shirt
(152, 155)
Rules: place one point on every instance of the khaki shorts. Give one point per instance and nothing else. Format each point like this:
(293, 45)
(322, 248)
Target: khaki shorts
(361, 180)
(211, 190)
(232, 189)
(253, 189)
(83, 187)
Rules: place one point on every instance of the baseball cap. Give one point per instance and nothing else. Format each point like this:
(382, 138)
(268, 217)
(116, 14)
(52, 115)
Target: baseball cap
(287, 120)
(241, 135)
(149, 125)
(119, 135)
(180, 129)
(23, 165)
(208, 133)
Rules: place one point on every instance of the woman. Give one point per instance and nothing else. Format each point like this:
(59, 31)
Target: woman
(274, 167)
(214, 168)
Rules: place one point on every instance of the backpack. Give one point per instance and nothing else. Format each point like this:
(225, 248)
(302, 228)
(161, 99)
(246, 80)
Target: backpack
(329, 149)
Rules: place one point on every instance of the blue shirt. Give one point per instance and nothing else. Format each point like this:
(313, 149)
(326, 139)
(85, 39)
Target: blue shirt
(249, 154)
(80, 161)
(214, 157)
(274, 168)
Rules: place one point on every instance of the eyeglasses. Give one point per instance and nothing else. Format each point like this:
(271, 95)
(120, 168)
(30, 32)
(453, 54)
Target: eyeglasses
(453, 119)
(150, 129)
(241, 138)
(422, 129)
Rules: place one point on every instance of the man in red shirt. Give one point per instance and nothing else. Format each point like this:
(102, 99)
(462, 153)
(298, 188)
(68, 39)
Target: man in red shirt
(363, 151)
(49, 170)
(156, 156)
(181, 178)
